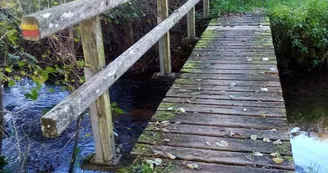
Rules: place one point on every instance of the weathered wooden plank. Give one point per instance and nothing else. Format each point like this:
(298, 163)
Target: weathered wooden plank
(68, 110)
(209, 156)
(239, 129)
(250, 96)
(228, 71)
(221, 120)
(234, 111)
(228, 82)
(52, 20)
(242, 77)
(236, 88)
(199, 142)
(180, 166)
(216, 103)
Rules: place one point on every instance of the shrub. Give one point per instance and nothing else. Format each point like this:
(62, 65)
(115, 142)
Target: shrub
(300, 32)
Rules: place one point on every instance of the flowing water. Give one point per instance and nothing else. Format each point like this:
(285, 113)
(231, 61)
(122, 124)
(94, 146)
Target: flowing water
(138, 99)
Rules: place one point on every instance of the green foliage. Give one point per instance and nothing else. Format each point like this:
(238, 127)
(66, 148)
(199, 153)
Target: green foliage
(235, 6)
(3, 163)
(302, 27)
(116, 109)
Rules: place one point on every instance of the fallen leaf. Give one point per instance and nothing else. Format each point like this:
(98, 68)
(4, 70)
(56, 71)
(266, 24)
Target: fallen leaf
(273, 69)
(249, 59)
(172, 157)
(276, 154)
(257, 154)
(170, 108)
(222, 144)
(278, 160)
(244, 110)
(192, 165)
(181, 110)
(232, 96)
(198, 80)
(188, 101)
(277, 142)
(265, 59)
(182, 90)
(158, 161)
(273, 130)
(199, 88)
(164, 122)
(178, 122)
(250, 157)
(208, 143)
(264, 115)
(265, 89)
(151, 163)
(164, 130)
(233, 84)
(254, 137)
(166, 140)
(266, 139)
(157, 123)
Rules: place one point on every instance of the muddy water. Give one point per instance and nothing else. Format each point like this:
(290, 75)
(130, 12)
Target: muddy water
(306, 98)
(139, 100)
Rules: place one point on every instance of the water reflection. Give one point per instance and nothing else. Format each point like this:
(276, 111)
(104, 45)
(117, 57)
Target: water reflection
(310, 151)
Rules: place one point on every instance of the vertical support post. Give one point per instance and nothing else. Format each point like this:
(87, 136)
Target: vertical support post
(191, 24)
(100, 111)
(164, 42)
(206, 6)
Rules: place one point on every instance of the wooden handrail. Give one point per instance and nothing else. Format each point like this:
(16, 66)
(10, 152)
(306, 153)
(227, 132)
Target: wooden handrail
(59, 118)
(42, 24)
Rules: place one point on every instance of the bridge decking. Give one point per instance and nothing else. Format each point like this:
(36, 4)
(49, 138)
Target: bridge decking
(228, 90)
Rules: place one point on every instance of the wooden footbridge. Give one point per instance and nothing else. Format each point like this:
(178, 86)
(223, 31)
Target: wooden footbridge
(224, 113)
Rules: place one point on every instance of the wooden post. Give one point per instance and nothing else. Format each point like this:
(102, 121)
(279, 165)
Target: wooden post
(100, 111)
(206, 5)
(2, 127)
(191, 24)
(164, 42)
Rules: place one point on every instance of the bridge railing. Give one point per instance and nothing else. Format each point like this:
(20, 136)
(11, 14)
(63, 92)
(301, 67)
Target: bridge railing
(94, 93)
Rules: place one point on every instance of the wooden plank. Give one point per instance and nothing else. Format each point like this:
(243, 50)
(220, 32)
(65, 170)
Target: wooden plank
(228, 82)
(221, 120)
(226, 88)
(229, 71)
(234, 111)
(68, 110)
(180, 166)
(199, 142)
(223, 95)
(210, 156)
(217, 103)
(239, 129)
(100, 111)
(49, 21)
(242, 77)
(164, 42)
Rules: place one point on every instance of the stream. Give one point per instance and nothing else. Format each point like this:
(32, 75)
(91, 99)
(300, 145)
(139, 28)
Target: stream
(306, 104)
(138, 99)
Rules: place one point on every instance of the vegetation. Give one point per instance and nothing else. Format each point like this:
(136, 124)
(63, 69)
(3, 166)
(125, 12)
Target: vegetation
(299, 28)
